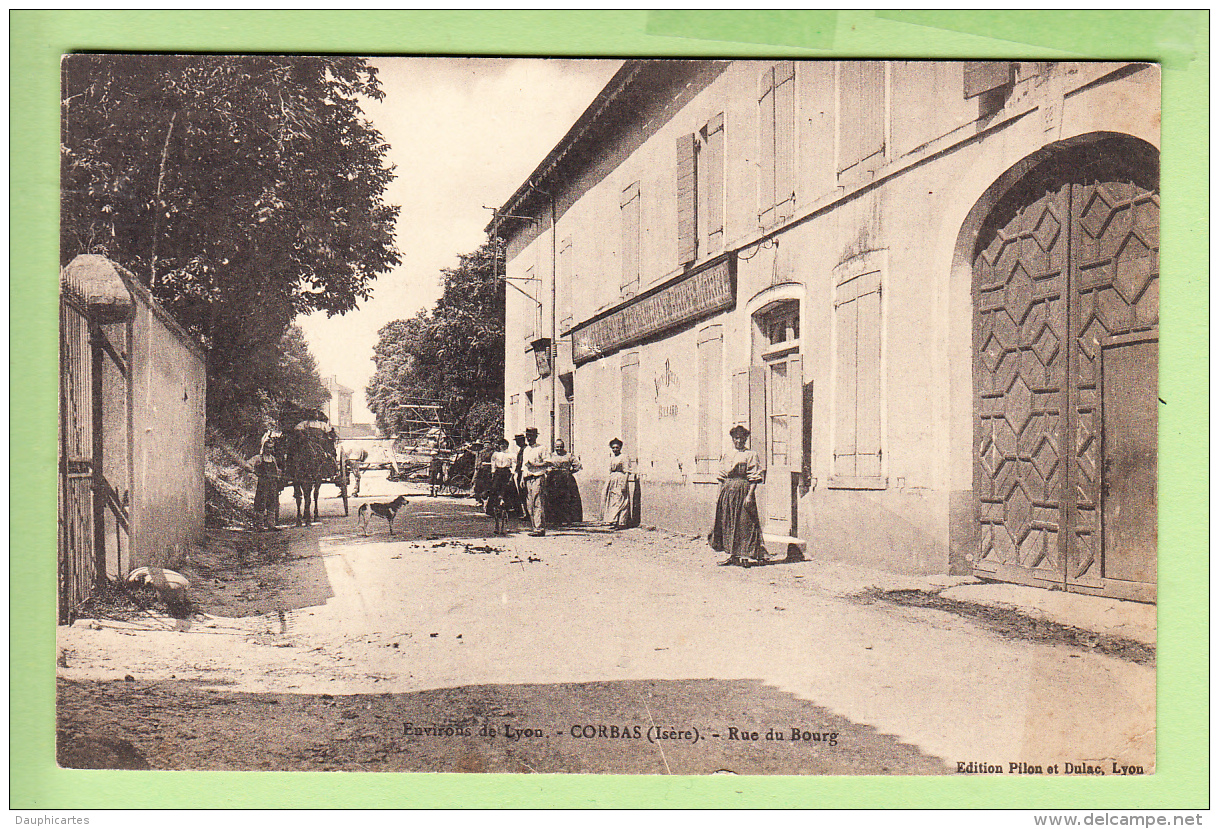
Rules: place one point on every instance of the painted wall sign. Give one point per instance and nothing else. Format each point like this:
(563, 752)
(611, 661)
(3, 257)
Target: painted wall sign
(682, 300)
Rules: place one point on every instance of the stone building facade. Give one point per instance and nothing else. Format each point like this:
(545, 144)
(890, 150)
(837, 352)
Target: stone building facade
(930, 289)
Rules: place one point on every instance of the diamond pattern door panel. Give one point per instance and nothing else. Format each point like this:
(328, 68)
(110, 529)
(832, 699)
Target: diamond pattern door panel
(1115, 248)
(1072, 272)
(1020, 282)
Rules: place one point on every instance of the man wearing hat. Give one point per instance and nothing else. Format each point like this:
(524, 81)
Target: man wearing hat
(517, 472)
(534, 466)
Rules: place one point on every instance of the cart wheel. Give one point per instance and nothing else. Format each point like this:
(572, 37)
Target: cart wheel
(343, 492)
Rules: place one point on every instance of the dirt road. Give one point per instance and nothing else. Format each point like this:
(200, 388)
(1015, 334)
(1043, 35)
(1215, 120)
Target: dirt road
(443, 650)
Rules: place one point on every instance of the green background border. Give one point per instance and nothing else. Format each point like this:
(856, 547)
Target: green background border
(1180, 40)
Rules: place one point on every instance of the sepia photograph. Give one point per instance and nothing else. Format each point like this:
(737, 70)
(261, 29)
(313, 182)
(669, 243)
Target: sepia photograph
(633, 416)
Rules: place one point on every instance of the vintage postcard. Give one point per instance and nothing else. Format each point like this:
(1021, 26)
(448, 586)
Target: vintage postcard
(644, 416)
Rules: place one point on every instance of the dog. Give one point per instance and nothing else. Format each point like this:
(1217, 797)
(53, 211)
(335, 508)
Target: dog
(387, 511)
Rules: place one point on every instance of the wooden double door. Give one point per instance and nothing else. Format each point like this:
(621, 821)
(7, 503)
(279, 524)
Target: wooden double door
(1066, 322)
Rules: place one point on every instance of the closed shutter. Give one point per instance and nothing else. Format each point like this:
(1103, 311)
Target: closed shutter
(687, 201)
(630, 411)
(867, 427)
(740, 398)
(563, 424)
(857, 392)
(710, 404)
(861, 107)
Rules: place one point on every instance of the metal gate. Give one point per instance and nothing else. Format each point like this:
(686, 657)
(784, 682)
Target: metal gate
(1065, 290)
(94, 412)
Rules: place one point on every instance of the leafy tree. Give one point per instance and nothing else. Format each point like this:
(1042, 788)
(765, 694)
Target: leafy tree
(453, 353)
(243, 191)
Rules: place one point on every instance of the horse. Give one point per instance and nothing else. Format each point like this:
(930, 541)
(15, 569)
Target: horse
(309, 461)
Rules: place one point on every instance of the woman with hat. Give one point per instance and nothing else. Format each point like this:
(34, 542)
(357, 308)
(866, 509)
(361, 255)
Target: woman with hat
(616, 505)
(737, 531)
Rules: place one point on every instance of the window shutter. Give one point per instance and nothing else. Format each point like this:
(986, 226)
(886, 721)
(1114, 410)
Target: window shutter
(565, 277)
(532, 312)
(861, 106)
(867, 428)
(630, 411)
(687, 201)
(630, 239)
(757, 411)
(857, 401)
(710, 420)
(808, 438)
(740, 398)
(563, 424)
(766, 140)
(711, 184)
(846, 320)
(784, 130)
(985, 75)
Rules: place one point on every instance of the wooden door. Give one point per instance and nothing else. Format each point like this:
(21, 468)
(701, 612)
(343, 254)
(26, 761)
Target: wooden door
(784, 382)
(1061, 278)
(1128, 471)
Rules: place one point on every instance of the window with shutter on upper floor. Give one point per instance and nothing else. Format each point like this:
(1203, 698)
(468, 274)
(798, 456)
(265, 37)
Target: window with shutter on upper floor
(565, 275)
(532, 313)
(631, 243)
(700, 192)
(861, 115)
(776, 143)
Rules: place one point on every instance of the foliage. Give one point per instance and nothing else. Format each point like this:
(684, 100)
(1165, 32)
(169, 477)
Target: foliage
(283, 375)
(453, 353)
(242, 190)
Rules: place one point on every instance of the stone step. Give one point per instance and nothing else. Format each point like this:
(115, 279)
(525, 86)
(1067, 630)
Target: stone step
(783, 544)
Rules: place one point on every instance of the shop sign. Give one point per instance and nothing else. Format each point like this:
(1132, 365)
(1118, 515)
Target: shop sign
(682, 300)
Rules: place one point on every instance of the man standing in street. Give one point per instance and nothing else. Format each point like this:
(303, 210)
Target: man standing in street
(534, 465)
(355, 459)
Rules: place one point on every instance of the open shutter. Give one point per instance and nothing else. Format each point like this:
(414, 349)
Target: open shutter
(710, 176)
(785, 125)
(861, 106)
(687, 201)
(766, 142)
(630, 240)
(757, 411)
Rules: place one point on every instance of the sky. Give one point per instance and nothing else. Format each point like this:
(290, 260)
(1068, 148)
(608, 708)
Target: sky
(463, 133)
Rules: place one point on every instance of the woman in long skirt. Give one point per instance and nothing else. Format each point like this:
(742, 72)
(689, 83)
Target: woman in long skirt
(502, 496)
(737, 531)
(563, 504)
(617, 504)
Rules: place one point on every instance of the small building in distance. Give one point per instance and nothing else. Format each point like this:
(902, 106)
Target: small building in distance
(338, 408)
(930, 289)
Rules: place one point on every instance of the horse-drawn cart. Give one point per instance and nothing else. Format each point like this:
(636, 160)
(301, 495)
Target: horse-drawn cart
(308, 457)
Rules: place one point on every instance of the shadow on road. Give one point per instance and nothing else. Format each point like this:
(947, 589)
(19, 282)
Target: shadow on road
(689, 726)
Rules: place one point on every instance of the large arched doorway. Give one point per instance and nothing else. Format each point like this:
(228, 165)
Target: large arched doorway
(1065, 333)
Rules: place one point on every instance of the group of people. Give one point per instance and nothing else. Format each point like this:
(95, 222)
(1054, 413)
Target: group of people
(540, 486)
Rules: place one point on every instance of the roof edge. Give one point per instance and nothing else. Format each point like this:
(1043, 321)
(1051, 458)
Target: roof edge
(619, 82)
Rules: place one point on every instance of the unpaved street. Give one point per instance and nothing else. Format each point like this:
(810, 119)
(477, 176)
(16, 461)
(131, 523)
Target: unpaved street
(444, 650)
